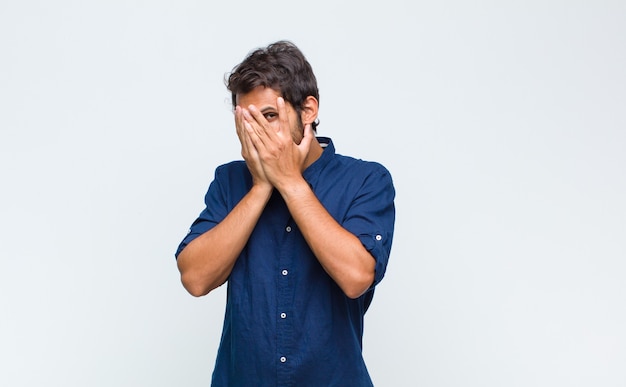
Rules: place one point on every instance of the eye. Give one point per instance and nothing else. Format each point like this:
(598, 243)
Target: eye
(270, 116)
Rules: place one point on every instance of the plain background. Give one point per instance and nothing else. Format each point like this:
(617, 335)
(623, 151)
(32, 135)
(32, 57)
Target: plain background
(503, 124)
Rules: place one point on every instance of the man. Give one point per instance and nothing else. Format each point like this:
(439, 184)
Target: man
(302, 236)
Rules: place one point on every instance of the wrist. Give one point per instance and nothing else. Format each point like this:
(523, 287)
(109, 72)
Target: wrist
(262, 189)
(293, 188)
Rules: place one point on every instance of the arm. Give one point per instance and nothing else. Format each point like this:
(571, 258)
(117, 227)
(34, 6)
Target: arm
(207, 261)
(339, 252)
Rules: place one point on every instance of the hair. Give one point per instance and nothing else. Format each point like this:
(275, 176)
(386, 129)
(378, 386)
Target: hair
(280, 66)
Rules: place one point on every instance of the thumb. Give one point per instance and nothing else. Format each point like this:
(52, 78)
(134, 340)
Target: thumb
(308, 137)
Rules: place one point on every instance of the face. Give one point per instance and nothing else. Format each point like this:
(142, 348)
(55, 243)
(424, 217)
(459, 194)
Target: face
(264, 98)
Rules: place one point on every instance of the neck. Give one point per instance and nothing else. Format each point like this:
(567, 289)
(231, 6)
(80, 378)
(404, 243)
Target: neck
(315, 151)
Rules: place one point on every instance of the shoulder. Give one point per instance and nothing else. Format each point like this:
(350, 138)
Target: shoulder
(357, 178)
(232, 170)
(230, 183)
(360, 168)
(232, 178)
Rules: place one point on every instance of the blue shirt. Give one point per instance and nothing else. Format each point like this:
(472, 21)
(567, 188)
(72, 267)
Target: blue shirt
(287, 323)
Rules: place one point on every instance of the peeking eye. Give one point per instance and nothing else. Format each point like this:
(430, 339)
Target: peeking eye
(271, 116)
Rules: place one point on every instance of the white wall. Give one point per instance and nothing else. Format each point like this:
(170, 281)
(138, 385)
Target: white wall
(503, 124)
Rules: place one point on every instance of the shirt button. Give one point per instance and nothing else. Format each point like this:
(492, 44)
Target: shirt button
(378, 237)
(285, 272)
(283, 359)
(283, 315)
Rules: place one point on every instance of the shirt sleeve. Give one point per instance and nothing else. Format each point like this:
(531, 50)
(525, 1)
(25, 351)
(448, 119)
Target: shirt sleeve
(214, 212)
(371, 217)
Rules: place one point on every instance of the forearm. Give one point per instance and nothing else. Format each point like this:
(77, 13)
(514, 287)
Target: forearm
(207, 261)
(340, 253)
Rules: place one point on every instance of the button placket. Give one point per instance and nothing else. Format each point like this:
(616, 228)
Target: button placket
(285, 295)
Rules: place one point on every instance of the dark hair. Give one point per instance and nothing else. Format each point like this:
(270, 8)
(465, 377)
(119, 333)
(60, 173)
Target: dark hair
(280, 66)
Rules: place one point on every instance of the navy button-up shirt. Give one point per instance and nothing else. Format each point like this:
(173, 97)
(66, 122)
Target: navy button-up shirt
(287, 322)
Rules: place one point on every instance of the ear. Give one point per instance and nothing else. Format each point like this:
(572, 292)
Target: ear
(309, 110)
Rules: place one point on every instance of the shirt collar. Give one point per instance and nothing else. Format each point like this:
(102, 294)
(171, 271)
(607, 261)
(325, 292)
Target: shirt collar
(313, 171)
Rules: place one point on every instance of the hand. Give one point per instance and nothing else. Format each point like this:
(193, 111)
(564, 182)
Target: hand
(282, 160)
(248, 151)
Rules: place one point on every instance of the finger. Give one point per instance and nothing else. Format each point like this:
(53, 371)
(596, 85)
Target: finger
(254, 119)
(250, 148)
(245, 130)
(239, 127)
(252, 135)
(307, 138)
(283, 118)
(239, 120)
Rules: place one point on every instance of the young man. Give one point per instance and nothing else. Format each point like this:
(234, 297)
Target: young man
(301, 234)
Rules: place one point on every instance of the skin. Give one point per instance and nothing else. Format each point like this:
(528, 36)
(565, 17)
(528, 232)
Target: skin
(277, 146)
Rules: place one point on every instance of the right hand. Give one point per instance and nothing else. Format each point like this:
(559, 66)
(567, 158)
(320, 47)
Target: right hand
(249, 152)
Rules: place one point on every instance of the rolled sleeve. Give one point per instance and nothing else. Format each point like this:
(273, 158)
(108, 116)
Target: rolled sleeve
(371, 218)
(214, 212)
